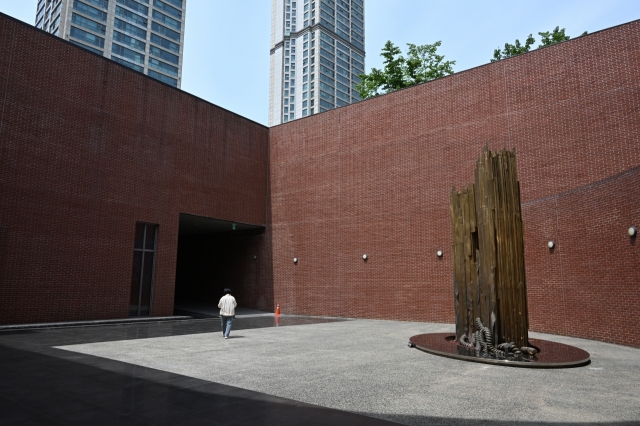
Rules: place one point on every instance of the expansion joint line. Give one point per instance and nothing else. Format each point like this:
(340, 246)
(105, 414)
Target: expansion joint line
(564, 304)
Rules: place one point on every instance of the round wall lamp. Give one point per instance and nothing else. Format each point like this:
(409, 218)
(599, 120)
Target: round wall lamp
(255, 257)
(439, 253)
(365, 257)
(633, 231)
(551, 244)
(295, 260)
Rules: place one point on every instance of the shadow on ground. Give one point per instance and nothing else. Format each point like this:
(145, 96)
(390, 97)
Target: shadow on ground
(41, 385)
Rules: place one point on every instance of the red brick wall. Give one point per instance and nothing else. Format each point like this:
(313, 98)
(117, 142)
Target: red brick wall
(87, 148)
(375, 178)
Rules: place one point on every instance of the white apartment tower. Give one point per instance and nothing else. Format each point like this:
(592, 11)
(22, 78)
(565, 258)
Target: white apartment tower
(317, 53)
(145, 35)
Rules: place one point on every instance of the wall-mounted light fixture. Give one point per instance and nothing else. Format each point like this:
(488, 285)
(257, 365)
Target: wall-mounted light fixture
(439, 253)
(255, 257)
(551, 244)
(365, 257)
(295, 260)
(633, 231)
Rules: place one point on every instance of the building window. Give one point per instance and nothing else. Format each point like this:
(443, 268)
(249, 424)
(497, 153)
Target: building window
(144, 251)
(169, 57)
(163, 42)
(90, 11)
(129, 29)
(134, 5)
(161, 66)
(165, 31)
(87, 37)
(325, 104)
(169, 22)
(163, 78)
(100, 3)
(134, 18)
(99, 52)
(167, 9)
(127, 64)
(129, 41)
(88, 24)
(127, 53)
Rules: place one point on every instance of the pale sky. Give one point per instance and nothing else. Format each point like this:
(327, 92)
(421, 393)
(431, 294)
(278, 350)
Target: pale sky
(226, 53)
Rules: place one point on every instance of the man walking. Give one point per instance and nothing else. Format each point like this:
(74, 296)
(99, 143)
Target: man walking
(227, 307)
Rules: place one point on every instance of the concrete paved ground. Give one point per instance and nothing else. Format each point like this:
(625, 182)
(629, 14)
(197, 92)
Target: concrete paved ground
(365, 366)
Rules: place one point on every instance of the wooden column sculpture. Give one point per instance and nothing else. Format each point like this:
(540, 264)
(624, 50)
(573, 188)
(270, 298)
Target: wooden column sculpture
(488, 254)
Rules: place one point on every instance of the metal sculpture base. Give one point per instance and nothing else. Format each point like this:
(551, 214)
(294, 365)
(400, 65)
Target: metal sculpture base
(550, 355)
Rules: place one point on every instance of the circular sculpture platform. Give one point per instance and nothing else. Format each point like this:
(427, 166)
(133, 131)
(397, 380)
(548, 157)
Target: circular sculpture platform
(550, 355)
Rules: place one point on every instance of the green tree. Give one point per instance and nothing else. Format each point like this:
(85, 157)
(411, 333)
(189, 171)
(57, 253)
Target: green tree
(511, 50)
(421, 64)
(548, 38)
(556, 36)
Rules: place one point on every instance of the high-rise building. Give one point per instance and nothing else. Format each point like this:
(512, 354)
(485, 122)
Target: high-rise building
(317, 53)
(145, 35)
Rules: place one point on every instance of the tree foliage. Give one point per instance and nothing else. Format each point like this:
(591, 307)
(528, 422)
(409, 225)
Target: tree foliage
(556, 36)
(421, 64)
(548, 38)
(511, 50)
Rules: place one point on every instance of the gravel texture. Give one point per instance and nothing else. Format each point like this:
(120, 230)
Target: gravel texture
(365, 366)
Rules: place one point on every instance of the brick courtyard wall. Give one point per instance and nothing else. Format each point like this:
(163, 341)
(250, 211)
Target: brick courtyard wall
(374, 178)
(87, 149)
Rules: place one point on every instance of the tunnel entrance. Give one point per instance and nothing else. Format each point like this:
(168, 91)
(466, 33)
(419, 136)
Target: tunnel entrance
(214, 254)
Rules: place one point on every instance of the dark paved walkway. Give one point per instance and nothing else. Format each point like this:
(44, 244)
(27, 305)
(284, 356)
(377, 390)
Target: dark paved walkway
(41, 385)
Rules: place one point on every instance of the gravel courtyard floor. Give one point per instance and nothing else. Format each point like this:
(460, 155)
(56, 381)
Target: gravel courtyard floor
(366, 367)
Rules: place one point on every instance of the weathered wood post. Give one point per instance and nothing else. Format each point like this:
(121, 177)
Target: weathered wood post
(465, 266)
(488, 235)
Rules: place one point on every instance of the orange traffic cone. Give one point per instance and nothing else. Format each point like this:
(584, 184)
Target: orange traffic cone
(278, 309)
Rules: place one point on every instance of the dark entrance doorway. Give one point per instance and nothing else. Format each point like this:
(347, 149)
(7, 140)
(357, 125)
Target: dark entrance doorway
(214, 254)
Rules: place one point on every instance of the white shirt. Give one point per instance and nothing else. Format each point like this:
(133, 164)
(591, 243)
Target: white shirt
(227, 305)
